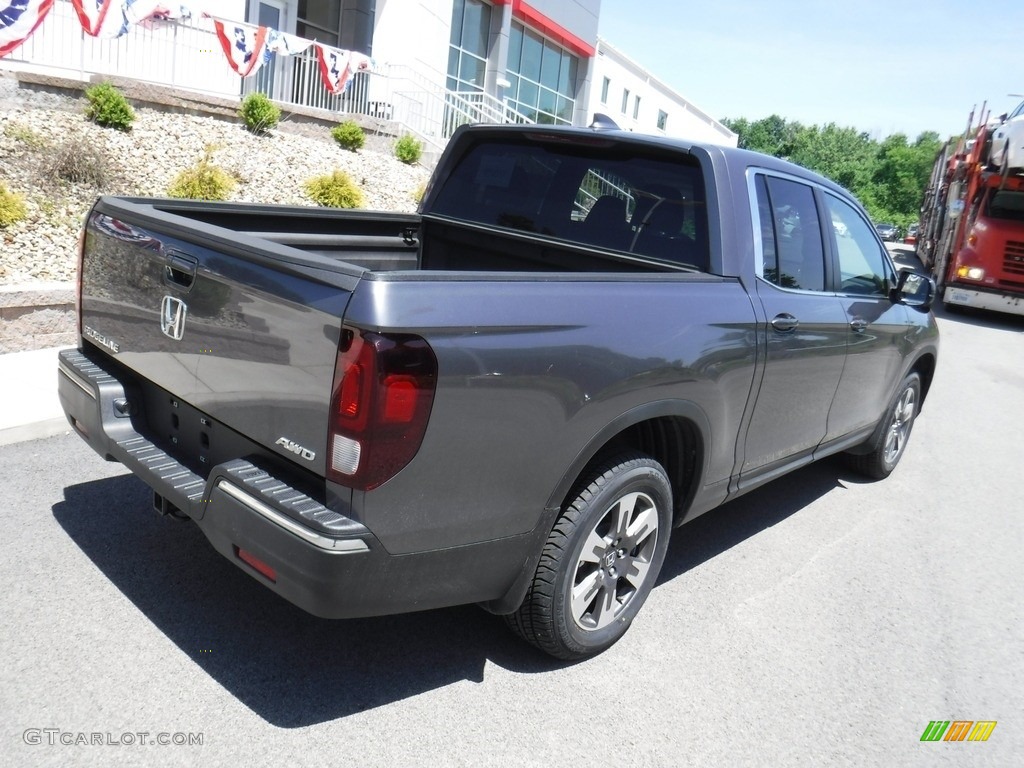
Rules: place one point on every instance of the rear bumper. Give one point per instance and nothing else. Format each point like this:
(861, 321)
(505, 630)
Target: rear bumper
(318, 559)
(994, 301)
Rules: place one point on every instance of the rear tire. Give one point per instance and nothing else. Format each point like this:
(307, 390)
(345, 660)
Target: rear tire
(600, 561)
(891, 442)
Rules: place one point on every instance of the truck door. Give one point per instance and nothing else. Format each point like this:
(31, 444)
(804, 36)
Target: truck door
(876, 325)
(805, 331)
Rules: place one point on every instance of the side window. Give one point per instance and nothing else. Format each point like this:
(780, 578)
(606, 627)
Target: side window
(790, 234)
(863, 269)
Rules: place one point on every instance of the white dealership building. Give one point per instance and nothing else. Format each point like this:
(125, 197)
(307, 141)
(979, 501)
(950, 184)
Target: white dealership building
(437, 63)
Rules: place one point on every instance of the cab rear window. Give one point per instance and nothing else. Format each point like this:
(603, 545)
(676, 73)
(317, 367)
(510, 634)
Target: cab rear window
(607, 195)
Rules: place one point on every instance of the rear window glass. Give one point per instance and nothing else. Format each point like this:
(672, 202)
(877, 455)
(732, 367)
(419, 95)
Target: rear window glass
(610, 196)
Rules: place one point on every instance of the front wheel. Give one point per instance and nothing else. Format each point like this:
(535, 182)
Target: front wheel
(891, 442)
(600, 560)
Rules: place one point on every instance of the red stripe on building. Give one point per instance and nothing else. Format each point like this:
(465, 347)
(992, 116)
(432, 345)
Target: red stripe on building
(549, 27)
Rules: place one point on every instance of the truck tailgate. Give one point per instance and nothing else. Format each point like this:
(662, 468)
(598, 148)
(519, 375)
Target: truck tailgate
(206, 314)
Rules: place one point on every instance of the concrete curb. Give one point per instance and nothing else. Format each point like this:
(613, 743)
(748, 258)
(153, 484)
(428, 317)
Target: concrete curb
(35, 431)
(29, 407)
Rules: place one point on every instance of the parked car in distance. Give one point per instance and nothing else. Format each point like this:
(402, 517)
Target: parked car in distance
(1008, 142)
(888, 232)
(911, 237)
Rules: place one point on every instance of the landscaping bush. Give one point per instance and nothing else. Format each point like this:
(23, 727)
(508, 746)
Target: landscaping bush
(203, 181)
(335, 191)
(80, 161)
(108, 107)
(12, 207)
(349, 135)
(408, 149)
(259, 113)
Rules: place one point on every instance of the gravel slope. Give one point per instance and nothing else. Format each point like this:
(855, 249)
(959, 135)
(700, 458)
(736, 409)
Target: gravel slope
(270, 169)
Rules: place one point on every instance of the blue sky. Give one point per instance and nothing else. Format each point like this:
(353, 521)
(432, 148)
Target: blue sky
(880, 66)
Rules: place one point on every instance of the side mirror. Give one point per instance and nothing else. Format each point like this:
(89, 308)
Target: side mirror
(914, 290)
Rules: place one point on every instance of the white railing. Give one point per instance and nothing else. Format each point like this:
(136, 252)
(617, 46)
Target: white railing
(185, 55)
(188, 55)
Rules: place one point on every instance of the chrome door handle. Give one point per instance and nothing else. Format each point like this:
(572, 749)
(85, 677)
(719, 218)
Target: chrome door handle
(785, 323)
(858, 325)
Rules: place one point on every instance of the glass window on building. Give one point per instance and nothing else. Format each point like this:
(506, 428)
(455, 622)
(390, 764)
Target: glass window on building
(542, 77)
(625, 100)
(636, 107)
(605, 85)
(662, 120)
(467, 54)
(319, 20)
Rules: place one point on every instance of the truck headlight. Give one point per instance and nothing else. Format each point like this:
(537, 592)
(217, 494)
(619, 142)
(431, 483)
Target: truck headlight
(971, 273)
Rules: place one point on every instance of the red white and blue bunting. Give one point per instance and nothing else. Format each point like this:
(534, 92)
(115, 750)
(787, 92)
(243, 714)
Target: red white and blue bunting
(247, 47)
(243, 45)
(18, 20)
(338, 66)
(101, 18)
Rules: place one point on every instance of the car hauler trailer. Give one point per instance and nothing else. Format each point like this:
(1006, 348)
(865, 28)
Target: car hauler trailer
(972, 226)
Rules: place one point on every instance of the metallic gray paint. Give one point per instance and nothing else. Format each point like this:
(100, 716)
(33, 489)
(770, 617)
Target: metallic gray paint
(537, 373)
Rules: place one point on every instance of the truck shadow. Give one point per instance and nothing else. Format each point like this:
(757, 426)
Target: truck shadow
(723, 528)
(295, 670)
(979, 318)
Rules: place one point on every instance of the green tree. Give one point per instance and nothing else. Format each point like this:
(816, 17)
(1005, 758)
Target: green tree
(888, 177)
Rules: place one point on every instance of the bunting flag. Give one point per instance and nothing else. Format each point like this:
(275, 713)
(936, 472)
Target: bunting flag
(284, 44)
(102, 18)
(243, 44)
(338, 66)
(18, 20)
(148, 11)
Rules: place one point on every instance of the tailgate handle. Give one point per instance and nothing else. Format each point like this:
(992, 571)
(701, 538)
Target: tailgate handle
(180, 269)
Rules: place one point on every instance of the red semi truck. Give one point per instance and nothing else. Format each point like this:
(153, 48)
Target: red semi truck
(972, 227)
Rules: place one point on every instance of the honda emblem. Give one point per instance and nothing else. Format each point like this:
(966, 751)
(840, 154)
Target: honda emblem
(172, 317)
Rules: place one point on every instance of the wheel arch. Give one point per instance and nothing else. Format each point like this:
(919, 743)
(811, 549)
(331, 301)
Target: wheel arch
(924, 366)
(675, 433)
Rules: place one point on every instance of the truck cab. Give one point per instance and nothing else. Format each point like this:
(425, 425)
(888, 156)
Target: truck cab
(989, 268)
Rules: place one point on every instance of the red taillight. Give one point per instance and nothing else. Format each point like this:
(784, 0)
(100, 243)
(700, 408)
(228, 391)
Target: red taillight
(383, 392)
(400, 396)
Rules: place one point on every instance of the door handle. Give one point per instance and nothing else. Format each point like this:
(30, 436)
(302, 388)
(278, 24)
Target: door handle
(785, 323)
(180, 269)
(858, 324)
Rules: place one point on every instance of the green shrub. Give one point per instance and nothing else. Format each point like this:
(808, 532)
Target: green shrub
(108, 107)
(335, 191)
(12, 207)
(408, 149)
(80, 161)
(259, 113)
(203, 181)
(349, 135)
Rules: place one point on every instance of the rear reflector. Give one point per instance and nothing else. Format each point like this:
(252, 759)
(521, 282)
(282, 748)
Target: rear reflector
(254, 562)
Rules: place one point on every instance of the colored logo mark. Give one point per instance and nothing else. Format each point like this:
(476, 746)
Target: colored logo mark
(958, 730)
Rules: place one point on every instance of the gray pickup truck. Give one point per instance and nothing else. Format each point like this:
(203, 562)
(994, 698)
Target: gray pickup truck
(584, 339)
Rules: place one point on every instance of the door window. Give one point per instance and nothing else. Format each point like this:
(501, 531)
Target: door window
(793, 255)
(863, 268)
